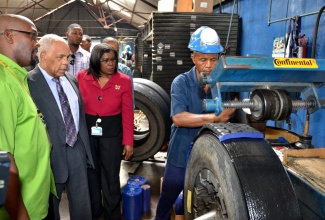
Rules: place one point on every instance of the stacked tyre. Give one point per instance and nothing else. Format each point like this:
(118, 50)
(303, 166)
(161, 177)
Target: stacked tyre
(152, 107)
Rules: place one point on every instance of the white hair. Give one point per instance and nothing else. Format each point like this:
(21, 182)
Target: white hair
(47, 40)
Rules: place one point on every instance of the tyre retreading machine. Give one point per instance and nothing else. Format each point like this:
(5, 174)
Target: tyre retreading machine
(232, 171)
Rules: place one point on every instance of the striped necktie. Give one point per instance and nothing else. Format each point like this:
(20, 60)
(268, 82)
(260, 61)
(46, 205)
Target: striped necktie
(70, 127)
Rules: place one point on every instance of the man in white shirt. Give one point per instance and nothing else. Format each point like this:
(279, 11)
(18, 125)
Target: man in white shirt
(79, 58)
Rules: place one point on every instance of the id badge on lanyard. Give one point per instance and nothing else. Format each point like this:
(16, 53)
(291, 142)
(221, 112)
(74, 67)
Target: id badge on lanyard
(96, 130)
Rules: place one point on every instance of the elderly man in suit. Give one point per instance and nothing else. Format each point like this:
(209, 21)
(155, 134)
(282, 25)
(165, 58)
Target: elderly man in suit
(56, 94)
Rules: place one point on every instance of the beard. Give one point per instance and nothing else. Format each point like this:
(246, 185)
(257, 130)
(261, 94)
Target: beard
(33, 59)
(75, 44)
(33, 62)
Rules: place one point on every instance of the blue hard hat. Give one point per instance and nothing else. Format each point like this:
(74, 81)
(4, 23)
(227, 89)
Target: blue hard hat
(127, 47)
(205, 40)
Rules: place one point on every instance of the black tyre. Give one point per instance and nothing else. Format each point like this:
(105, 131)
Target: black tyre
(150, 130)
(238, 179)
(205, 175)
(155, 87)
(164, 106)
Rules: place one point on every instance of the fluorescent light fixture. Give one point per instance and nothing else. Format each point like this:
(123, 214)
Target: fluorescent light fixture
(117, 8)
(126, 13)
(114, 6)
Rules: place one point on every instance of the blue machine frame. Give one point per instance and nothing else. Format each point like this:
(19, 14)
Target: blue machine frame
(245, 74)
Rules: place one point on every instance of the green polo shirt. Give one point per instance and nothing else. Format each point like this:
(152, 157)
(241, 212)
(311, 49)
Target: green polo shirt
(23, 135)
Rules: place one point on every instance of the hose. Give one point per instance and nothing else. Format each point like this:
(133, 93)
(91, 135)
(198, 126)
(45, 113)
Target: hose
(316, 31)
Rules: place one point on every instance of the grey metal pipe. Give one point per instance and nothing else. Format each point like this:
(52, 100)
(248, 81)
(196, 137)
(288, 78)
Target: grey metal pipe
(269, 22)
(212, 215)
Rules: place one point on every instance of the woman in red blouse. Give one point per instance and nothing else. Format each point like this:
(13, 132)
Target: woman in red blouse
(107, 96)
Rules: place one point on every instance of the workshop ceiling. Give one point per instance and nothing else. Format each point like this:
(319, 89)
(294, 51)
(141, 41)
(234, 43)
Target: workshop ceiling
(117, 18)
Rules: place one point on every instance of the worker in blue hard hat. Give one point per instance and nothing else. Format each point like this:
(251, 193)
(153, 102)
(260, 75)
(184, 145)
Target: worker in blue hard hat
(187, 114)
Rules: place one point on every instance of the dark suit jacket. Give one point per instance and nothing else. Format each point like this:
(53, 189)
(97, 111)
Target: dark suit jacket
(45, 101)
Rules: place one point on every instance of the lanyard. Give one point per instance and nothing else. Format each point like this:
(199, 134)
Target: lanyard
(23, 85)
(13, 73)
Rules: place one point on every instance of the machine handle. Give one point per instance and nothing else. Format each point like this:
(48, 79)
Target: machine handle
(307, 123)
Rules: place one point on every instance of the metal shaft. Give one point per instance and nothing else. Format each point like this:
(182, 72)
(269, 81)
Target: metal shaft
(238, 104)
(296, 104)
(303, 104)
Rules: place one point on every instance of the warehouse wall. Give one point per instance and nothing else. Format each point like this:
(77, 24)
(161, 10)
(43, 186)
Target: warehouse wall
(256, 37)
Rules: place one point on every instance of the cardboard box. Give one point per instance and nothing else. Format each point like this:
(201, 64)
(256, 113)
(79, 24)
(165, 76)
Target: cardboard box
(166, 5)
(203, 6)
(179, 217)
(184, 6)
(305, 153)
(173, 216)
(309, 164)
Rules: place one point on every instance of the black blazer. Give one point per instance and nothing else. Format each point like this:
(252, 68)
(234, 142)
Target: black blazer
(45, 101)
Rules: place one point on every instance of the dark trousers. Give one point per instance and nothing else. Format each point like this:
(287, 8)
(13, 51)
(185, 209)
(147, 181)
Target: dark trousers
(94, 181)
(172, 186)
(95, 192)
(108, 154)
(76, 186)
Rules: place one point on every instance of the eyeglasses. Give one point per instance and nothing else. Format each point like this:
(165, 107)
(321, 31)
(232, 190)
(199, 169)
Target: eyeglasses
(73, 58)
(32, 35)
(107, 61)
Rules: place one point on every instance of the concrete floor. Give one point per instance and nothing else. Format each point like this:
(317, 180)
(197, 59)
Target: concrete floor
(152, 170)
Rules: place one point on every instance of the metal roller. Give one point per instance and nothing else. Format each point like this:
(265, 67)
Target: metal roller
(268, 104)
(264, 104)
(285, 105)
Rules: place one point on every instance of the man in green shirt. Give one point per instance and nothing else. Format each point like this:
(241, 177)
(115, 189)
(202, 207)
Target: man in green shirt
(22, 133)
